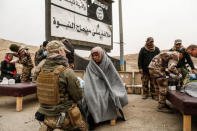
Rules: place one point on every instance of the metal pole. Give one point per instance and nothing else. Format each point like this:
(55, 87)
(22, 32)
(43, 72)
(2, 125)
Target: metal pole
(48, 20)
(121, 37)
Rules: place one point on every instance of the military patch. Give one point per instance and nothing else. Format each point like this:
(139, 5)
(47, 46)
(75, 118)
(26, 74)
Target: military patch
(80, 83)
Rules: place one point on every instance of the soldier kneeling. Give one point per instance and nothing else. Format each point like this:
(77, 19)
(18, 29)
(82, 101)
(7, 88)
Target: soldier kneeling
(58, 91)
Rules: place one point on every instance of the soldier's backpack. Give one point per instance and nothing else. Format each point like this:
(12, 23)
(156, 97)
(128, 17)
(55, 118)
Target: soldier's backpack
(48, 86)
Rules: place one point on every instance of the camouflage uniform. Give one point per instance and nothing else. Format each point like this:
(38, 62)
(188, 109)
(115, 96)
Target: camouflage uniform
(158, 67)
(25, 59)
(145, 77)
(39, 56)
(182, 64)
(69, 90)
(145, 56)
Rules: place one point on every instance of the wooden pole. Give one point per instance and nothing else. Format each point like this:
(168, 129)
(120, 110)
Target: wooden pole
(19, 103)
(186, 122)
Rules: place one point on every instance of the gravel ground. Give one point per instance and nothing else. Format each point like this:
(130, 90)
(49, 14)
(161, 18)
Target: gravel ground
(141, 116)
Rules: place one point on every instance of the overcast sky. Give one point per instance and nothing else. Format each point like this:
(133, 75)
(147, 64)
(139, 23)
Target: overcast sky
(165, 20)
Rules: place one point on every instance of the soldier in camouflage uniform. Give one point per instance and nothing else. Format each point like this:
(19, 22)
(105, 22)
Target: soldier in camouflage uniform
(70, 91)
(160, 65)
(192, 50)
(41, 53)
(145, 56)
(181, 66)
(24, 58)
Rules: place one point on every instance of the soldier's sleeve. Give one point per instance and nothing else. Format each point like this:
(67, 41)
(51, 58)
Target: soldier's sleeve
(158, 51)
(24, 57)
(140, 59)
(73, 85)
(38, 68)
(189, 60)
(39, 56)
(15, 54)
(172, 66)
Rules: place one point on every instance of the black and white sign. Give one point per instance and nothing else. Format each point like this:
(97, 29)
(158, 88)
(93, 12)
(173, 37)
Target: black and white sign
(83, 20)
(99, 11)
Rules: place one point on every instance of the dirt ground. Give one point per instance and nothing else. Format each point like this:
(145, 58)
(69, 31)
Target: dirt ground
(141, 116)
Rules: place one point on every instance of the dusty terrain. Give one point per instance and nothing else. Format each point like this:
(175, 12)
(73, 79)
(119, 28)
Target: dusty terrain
(4, 48)
(141, 116)
(131, 59)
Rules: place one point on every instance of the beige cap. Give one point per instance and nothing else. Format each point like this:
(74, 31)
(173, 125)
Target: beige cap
(56, 45)
(178, 41)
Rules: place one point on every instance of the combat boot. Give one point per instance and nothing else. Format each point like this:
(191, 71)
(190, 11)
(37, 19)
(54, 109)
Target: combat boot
(167, 106)
(144, 97)
(155, 97)
(164, 108)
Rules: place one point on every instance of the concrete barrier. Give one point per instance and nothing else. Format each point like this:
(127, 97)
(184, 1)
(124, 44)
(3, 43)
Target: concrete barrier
(132, 80)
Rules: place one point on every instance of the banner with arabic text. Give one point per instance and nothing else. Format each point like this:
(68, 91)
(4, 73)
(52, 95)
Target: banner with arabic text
(83, 20)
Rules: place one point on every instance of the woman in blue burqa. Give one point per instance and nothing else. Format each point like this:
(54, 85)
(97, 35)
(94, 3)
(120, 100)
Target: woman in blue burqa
(104, 92)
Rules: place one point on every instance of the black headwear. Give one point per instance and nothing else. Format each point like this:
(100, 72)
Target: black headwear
(14, 47)
(70, 47)
(45, 43)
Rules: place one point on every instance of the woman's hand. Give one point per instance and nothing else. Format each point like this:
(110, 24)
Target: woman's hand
(141, 71)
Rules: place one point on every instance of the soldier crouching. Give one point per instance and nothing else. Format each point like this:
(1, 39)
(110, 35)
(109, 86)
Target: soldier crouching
(160, 64)
(58, 91)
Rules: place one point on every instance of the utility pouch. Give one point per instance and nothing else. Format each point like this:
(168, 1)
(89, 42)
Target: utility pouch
(75, 116)
(48, 86)
(39, 116)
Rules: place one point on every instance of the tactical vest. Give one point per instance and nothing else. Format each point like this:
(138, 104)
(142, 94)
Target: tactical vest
(48, 86)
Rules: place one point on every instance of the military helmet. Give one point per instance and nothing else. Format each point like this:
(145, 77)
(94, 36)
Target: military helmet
(14, 47)
(178, 41)
(56, 45)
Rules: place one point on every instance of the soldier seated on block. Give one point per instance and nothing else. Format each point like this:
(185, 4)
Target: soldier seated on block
(104, 92)
(160, 65)
(58, 92)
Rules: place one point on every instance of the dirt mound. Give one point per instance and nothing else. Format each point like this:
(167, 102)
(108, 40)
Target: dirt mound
(131, 59)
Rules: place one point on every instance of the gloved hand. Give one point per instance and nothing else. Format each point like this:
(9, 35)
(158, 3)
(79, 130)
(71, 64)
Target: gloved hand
(44, 53)
(192, 77)
(175, 77)
(13, 61)
(81, 82)
(194, 71)
(180, 76)
(141, 71)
